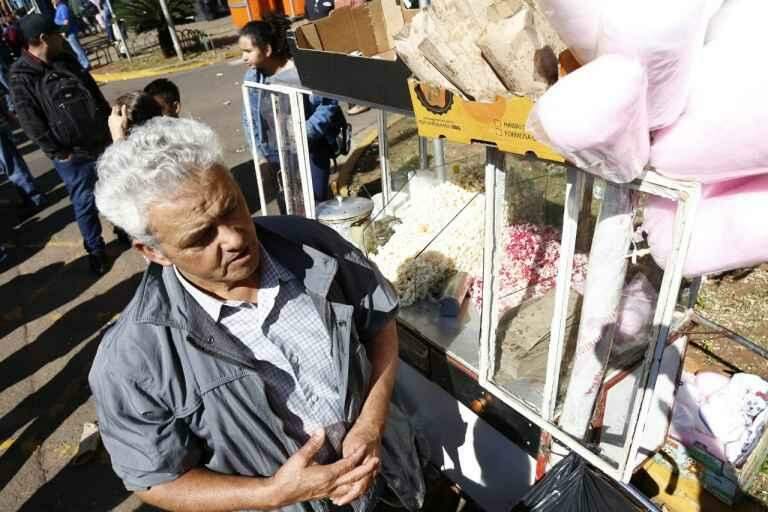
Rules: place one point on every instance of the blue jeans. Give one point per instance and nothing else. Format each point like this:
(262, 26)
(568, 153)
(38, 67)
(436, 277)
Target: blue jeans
(79, 176)
(82, 57)
(12, 164)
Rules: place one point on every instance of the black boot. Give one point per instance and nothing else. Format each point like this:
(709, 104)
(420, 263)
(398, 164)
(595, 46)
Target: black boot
(98, 262)
(122, 236)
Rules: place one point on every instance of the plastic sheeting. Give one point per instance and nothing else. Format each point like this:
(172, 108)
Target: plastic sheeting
(729, 230)
(597, 118)
(574, 486)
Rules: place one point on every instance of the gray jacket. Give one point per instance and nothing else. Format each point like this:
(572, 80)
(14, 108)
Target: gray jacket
(174, 391)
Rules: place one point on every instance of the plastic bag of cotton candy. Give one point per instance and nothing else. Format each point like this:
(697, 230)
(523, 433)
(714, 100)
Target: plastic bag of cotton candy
(728, 229)
(597, 118)
(722, 134)
(662, 39)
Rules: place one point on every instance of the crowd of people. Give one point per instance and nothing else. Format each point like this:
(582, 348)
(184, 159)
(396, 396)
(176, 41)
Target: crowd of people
(255, 367)
(41, 61)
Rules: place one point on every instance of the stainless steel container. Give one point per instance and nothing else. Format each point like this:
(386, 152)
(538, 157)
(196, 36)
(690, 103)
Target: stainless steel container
(344, 215)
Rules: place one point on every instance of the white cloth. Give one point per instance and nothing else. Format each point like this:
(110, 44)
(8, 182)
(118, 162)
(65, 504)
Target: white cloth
(737, 415)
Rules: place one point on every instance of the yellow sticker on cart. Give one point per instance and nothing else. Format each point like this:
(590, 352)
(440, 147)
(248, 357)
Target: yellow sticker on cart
(442, 114)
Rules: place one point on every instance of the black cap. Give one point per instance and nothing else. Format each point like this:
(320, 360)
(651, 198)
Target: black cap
(34, 25)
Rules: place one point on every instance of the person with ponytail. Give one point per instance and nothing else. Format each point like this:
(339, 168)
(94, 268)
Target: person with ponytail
(265, 50)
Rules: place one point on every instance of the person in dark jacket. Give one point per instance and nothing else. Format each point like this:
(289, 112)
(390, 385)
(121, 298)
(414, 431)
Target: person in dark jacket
(266, 52)
(62, 110)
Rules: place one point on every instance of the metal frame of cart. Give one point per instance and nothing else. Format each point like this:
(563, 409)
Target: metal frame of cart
(686, 194)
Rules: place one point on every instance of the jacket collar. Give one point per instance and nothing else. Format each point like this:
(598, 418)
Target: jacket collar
(162, 300)
(213, 305)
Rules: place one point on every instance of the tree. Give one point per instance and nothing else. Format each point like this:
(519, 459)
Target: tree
(146, 15)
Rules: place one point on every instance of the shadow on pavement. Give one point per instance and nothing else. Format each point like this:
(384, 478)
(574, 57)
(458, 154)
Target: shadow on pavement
(30, 236)
(47, 408)
(38, 293)
(92, 486)
(45, 295)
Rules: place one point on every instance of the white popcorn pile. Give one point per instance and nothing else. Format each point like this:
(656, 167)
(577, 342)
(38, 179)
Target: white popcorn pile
(430, 209)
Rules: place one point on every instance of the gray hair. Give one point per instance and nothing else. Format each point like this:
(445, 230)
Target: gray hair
(149, 167)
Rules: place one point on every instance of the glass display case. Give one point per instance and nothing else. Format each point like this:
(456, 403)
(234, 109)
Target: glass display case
(576, 302)
(427, 238)
(535, 277)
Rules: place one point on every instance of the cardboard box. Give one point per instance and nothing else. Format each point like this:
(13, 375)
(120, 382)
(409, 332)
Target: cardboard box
(442, 114)
(321, 51)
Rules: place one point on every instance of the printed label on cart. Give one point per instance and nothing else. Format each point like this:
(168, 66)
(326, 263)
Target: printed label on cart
(442, 114)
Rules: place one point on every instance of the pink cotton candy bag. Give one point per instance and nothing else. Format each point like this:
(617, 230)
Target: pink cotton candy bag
(729, 230)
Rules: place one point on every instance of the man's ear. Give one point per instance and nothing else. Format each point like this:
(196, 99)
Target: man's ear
(268, 50)
(177, 107)
(152, 254)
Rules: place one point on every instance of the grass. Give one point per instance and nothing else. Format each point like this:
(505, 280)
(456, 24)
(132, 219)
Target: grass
(155, 59)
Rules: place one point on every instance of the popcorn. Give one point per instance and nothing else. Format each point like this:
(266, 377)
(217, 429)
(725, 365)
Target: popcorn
(528, 263)
(429, 211)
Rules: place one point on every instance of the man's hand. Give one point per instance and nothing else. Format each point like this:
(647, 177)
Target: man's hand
(366, 437)
(118, 122)
(300, 479)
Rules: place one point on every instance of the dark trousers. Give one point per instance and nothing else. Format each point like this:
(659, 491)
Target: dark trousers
(79, 176)
(320, 167)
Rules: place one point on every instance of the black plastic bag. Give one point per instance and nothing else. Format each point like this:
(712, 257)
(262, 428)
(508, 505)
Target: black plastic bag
(575, 486)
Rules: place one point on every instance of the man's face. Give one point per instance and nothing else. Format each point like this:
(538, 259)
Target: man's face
(207, 232)
(253, 56)
(169, 109)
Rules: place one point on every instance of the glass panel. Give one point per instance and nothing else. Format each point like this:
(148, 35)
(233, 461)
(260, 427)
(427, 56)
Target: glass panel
(429, 242)
(633, 334)
(288, 176)
(529, 221)
(624, 336)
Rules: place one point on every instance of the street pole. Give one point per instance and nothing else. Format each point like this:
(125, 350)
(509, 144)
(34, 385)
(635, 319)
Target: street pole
(120, 35)
(171, 29)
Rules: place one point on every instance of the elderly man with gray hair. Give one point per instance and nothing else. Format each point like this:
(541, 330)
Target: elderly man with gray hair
(254, 368)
